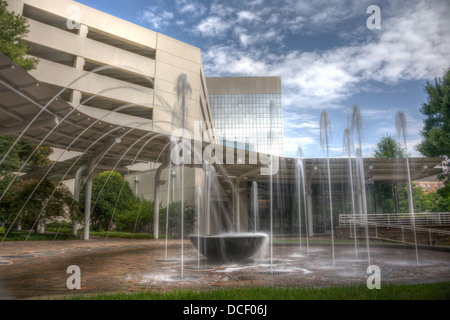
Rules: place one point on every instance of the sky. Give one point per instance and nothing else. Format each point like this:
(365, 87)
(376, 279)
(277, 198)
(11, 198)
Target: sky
(327, 56)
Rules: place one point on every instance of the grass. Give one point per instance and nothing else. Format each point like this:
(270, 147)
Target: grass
(123, 235)
(22, 235)
(436, 291)
(65, 233)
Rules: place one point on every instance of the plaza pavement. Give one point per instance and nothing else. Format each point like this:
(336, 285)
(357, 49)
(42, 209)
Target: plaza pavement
(38, 269)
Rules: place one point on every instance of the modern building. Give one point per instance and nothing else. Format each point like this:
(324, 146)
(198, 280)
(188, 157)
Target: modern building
(119, 73)
(106, 63)
(247, 112)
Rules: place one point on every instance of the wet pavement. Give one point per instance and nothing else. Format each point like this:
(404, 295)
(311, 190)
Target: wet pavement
(38, 269)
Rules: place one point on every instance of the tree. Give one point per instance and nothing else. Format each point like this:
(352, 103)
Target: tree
(111, 195)
(388, 147)
(174, 225)
(13, 29)
(17, 159)
(20, 153)
(25, 203)
(136, 217)
(436, 131)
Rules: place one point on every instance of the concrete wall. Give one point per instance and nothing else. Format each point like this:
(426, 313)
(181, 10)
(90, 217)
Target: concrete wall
(243, 85)
(146, 182)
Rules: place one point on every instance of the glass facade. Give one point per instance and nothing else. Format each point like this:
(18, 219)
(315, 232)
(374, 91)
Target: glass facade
(253, 120)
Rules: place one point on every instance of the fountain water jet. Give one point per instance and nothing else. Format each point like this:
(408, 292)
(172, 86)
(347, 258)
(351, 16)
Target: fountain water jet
(255, 204)
(356, 122)
(325, 126)
(400, 122)
(184, 91)
(348, 146)
(301, 184)
(169, 174)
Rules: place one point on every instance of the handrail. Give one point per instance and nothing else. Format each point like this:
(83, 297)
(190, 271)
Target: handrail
(402, 227)
(431, 218)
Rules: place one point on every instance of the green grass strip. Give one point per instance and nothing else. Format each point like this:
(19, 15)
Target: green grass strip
(22, 235)
(435, 291)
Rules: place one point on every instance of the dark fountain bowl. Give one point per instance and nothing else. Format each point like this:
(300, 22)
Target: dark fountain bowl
(229, 247)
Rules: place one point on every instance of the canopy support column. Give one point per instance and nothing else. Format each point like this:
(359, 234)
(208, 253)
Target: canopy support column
(76, 193)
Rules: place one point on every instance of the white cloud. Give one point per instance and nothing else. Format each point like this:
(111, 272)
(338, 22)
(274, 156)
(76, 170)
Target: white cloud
(411, 46)
(221, 9)
(246, 16)
(156, 20)
(213, 27)
(228, 60)
(291, 145)
(190, 7)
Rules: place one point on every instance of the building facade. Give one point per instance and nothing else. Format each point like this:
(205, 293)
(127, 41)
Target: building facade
(247, 112)
(430, 184)
(104, 63)
(121, 74)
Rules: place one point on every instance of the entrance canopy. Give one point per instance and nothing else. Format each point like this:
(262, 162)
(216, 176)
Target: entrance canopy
(375, 169)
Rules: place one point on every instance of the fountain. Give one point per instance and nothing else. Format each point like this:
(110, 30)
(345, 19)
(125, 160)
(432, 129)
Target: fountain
(228, 247)
(222, 246)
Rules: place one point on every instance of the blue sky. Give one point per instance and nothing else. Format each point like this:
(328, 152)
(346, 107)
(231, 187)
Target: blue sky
(326, 55)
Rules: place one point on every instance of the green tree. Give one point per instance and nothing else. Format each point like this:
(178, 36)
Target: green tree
(111, 196)
(25, 203)
(13, 29)
(388, 147)
(394, 198)
(174, 225)
(20, 153)
(137, 217)
(436, 130)
(422, 201)
(17, 160)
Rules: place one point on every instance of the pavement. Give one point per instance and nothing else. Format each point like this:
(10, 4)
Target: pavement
(39, 269)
